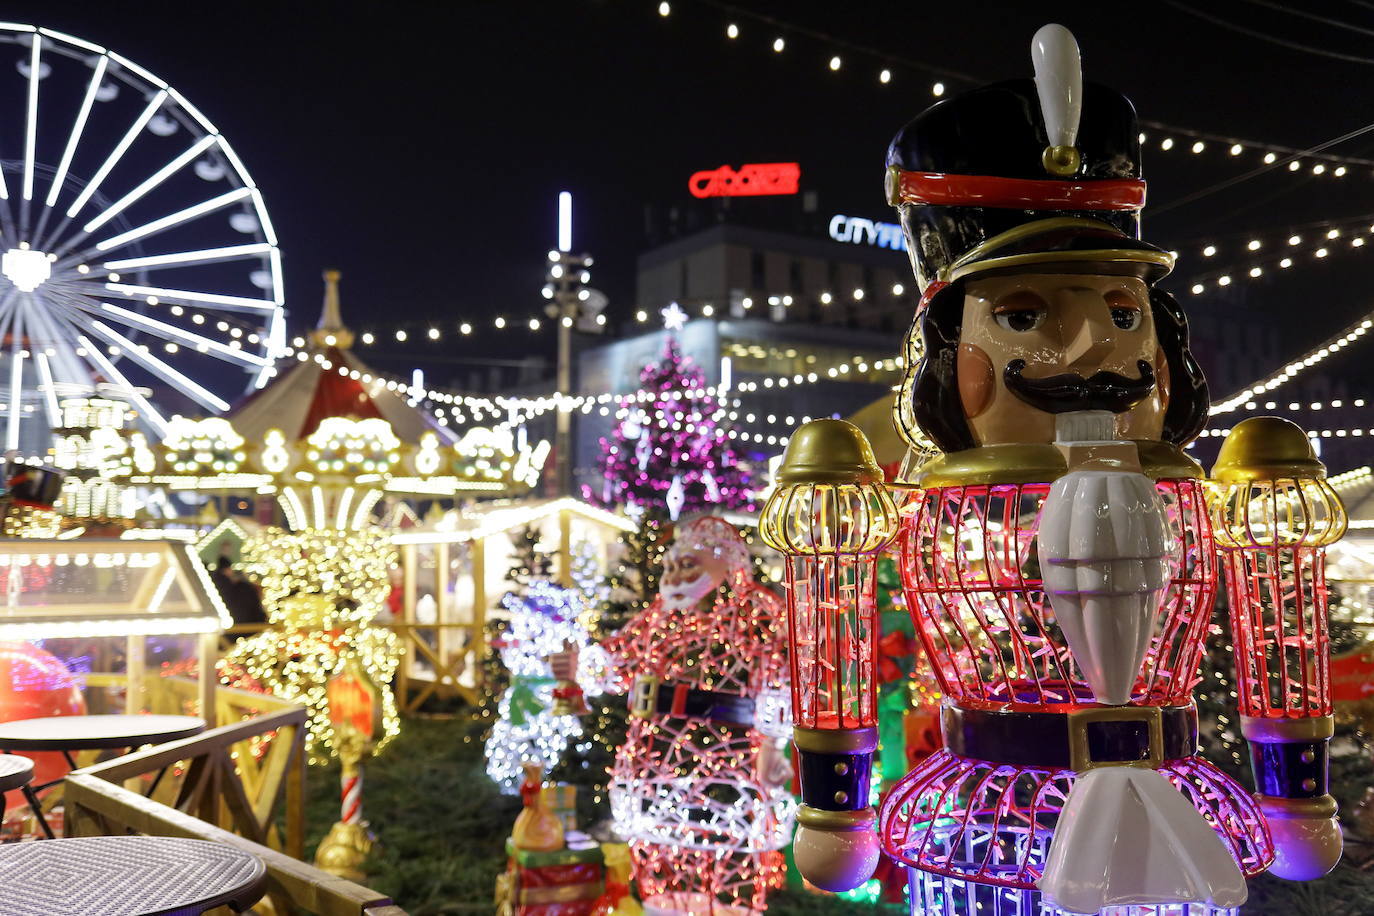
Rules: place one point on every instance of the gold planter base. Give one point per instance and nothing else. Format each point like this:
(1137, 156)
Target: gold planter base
(344, 851)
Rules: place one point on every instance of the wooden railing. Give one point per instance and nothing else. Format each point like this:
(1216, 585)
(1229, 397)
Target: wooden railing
(179, 696)
(226, 785)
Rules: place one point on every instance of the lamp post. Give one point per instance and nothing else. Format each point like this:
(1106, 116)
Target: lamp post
(355, 709)
(1275, 516)
(572, 304)
(832, 516)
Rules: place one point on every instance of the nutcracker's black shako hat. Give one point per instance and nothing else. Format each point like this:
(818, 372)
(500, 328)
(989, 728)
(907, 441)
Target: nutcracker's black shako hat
(1032, 175)
(1039, 174)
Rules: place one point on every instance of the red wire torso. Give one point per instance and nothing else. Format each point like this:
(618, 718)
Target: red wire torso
(971, 577)
(970, 573)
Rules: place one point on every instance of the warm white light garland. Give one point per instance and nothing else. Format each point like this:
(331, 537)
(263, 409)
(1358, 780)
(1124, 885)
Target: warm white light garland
(1296, 367)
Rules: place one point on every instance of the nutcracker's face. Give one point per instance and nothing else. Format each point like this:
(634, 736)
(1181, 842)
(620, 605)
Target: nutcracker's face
(1035, 345)
(690, 573)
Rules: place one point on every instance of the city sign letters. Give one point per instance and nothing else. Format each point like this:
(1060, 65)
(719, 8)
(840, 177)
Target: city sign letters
(862, 231)
(752, 180)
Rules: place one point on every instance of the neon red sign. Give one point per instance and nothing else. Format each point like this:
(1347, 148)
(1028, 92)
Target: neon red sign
(753, 180)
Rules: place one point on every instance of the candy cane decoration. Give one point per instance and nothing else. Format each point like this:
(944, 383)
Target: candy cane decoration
(352, 809)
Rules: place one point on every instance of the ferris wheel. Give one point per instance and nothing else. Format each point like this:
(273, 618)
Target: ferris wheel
(137, 258)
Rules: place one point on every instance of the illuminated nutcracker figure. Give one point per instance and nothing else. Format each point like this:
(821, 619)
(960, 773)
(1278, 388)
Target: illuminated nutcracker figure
(699, 787)
(1060, 553)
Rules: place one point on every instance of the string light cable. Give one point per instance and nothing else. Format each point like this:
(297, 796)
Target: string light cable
(436, 333)
(1265, 36)
(1199, 141)
(1324, 20)
(515, 410)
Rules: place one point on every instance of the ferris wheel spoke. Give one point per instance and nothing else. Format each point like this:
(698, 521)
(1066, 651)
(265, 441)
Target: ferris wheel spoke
(73, 141)
(159, 368)
(16, 382)
(31, 119)
(7, 316)
(199, 342)
(47, 388)
(7, 224)
(223, 302)
(152, 181)
(162, 223)
(117, 153)
(97, 359)
(178, 258)
(78, 128)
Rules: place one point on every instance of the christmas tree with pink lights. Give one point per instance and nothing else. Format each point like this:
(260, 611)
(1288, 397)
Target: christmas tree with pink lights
(668, 450)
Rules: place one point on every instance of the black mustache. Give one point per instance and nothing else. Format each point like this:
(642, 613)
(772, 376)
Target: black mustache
(1062, 393)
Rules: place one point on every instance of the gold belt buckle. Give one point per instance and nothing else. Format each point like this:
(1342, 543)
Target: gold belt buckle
(645, 701)
(1080, 757)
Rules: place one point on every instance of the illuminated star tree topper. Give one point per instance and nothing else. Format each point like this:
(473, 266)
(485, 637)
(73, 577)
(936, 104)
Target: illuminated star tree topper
(673, 317)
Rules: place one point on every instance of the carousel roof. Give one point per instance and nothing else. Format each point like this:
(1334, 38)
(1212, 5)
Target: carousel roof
(305, 393)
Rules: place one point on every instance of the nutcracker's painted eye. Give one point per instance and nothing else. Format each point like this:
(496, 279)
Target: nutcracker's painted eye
(1126, 312)
(1020, 312)
(1126, 319)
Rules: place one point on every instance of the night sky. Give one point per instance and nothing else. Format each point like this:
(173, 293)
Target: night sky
(418, 147)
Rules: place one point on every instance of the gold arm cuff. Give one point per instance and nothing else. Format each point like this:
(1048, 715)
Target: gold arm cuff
(1323, 806)
(836, 741)
(816, 819)
(1287, 731)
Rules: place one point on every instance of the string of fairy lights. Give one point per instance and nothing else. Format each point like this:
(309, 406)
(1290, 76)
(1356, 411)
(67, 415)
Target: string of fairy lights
(439, 332)
(1308, 162)
(1287, 253)
(1168, 137)
(1351, 480)
(454, 409)
(1297, 367)
(1261, 254)
(834, 54)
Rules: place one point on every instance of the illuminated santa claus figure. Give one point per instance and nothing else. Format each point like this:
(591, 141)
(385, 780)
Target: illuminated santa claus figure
(699, 786)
